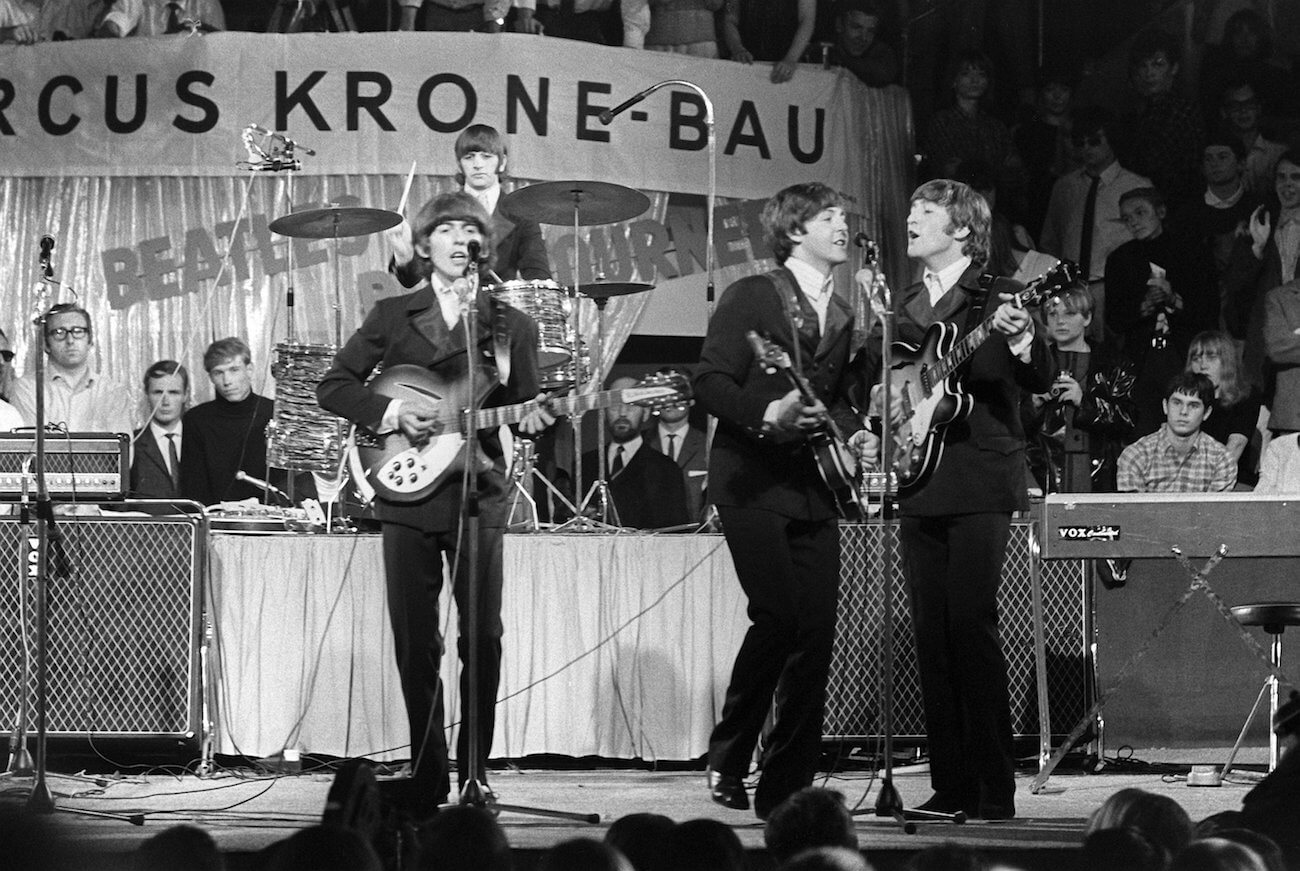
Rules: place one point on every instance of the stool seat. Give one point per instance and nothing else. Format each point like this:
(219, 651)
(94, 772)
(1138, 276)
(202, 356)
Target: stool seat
(1273, 616)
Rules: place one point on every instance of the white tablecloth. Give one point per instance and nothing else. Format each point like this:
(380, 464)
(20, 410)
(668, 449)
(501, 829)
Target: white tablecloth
(617, 646)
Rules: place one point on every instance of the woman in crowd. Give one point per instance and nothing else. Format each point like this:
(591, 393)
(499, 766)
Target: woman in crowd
(1233, 418)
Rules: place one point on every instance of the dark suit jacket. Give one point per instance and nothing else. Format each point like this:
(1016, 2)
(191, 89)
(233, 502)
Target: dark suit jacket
(411, 329)
(520, 253)
(649, 493)
(691, 457)
(982, 468)
(747, 467)
(149, 477)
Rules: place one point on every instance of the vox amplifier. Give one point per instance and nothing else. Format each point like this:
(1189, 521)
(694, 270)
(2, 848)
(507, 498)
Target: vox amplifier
(78, 466)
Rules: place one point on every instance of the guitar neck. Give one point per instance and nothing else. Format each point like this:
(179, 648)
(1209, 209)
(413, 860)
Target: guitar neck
(504, 415)
(970, 342)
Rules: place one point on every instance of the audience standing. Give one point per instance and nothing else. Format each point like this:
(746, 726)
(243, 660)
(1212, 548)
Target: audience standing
(156, 17)
(1241, 110)
(1043, 141)
(859, 47)
(967, 130)
(777, 31)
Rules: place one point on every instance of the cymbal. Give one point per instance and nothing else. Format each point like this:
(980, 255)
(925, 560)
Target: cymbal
(606, 289)
(335, 222)
(597, 202)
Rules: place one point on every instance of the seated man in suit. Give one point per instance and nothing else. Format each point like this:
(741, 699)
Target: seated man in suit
(156, 461)
(481, 159)
(647, 488)
(677, 439)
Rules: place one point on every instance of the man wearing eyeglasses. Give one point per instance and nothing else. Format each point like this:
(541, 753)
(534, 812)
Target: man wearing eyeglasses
(6, 367)
(76, 398)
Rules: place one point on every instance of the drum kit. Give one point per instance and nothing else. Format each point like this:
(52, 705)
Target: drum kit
(303, 437)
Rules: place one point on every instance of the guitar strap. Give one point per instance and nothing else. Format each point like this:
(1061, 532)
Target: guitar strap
(800, 313)
(975, 314)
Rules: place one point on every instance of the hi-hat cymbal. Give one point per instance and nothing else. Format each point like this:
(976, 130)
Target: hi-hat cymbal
(606, 289)
(597, 202)
(335, 222)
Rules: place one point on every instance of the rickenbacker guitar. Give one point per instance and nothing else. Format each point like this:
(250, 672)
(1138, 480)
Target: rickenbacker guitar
(931, 396)
(836, 463)
(400, 471)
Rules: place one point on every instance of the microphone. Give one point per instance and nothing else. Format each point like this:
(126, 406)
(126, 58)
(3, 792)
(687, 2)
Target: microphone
(862, 240)
(474, 247)
(608, 115)
(241, 475)
(47, 246)
(262, 131)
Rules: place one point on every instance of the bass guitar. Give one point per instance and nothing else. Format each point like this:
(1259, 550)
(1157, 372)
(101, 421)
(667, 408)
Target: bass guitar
(931, 396)
(836, 463)
(400, 471)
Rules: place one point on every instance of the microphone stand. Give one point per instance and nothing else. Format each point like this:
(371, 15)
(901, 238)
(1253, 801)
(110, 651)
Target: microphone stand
(36, 570)
(710, 520)
(473, 792)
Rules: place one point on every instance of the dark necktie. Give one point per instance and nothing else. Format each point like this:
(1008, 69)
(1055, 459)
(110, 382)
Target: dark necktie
(173, 24)
(616, 466)
(1085, 235)
(173, 460)
(671, 450)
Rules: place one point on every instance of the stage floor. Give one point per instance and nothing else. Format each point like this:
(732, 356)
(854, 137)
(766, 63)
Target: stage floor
(245, 812)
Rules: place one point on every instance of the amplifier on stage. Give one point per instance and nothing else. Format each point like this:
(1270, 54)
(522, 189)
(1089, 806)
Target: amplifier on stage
(78, 466)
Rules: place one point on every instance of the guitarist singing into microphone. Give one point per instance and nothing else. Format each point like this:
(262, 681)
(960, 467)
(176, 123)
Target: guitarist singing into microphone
(425, 328)
(955, 525)
(778, 515)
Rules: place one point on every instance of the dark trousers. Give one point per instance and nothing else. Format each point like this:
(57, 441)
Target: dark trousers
(413, 567)
(953, 566)
(789, 570)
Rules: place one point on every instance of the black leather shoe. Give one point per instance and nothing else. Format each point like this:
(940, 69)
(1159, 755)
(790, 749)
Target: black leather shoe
(728, 790)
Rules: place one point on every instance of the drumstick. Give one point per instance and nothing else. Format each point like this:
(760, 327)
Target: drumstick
(406, 191)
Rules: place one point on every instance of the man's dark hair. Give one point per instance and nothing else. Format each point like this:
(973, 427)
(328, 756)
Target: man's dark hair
(229, 348)
(966, 209)
(1149, 194)
(643, 839)
(457, 206)
(1151, 42)
(1218, 136)
(1191, 384)
(812, 817)
(1094, 119)
(790, 209)
(866, 7)
(1291, 156)
(464, 838)
(705, 845)
(165, 368)
(480, 137)
(179, 847)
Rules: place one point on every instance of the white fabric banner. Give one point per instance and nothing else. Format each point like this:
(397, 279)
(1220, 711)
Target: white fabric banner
(369, 103)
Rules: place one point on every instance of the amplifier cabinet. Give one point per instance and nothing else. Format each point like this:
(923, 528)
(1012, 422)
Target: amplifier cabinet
(124, 628)
(855, 688)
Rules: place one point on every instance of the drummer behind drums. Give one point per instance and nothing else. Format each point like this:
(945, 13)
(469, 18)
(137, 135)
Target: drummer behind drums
(481, 158)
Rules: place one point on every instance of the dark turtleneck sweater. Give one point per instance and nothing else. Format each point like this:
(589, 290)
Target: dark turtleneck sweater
(222, 438)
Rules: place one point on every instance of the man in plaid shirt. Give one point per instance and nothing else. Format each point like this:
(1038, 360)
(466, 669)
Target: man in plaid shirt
(1178, 457)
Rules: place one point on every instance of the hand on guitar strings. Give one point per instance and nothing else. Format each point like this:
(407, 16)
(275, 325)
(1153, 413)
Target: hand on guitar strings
(539, 418)
(418, 420)
(897, 408)
(1011, 319)
(793, 415)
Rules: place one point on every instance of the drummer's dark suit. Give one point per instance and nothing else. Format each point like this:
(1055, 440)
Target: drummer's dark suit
(780, 523)
(417, 536)
(521, 253)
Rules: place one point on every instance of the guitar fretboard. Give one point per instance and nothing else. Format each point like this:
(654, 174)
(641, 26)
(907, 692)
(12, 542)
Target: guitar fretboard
(504, 415)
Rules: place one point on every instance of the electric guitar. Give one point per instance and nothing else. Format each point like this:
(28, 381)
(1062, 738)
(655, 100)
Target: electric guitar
(931, 396)
(400, 471)
(836, 463)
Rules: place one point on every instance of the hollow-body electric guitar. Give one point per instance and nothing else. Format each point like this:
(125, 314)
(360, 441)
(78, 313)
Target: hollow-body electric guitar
(835, 461)
(930, 394)
(400, 471)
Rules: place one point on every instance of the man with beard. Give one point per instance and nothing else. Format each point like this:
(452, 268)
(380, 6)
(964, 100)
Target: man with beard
(647, 488)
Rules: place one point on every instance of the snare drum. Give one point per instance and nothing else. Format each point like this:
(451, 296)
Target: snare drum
(562, 375)
(548, 304)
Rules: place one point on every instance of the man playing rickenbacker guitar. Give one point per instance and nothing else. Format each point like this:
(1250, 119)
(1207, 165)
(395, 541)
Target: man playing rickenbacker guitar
(778, 514)
(426, 329)
(955, 525)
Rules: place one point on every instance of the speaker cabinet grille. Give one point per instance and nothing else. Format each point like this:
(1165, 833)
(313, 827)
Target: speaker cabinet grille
(124, 619)
(855, 690)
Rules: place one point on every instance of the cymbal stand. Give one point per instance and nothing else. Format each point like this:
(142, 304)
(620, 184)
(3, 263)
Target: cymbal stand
(474, 792)
(606, 519)
(523, 473)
